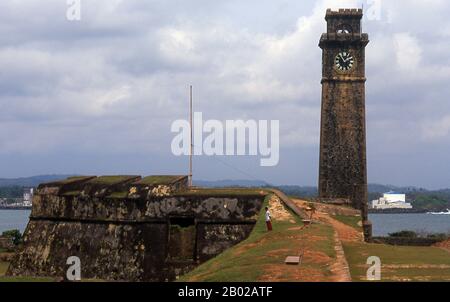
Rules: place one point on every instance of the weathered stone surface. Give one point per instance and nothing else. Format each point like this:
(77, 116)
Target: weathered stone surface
(219, 237)
(343, 172)
(121, 232)
(140, 210)
(106, 251)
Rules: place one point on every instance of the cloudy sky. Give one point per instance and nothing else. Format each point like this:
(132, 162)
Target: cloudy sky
(98, 96)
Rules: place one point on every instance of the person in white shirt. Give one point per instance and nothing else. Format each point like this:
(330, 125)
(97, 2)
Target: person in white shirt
(268, 220)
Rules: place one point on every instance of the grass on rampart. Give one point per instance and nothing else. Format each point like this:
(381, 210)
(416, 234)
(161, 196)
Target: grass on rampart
(352, 221)
(223, 192)
(4, 268)
(159, 179)
(256, 258)
(112, 179)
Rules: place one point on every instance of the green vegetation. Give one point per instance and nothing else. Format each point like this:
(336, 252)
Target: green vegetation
(299, 192)
(26, 279)
(399, 263)
(404, 234)
(374, 195)
(412, 234)
(223, 192)
(262, 252)
(3, 268)
(110, 180)
(11, 192)
(159, 179)
(325, 246)
(439, 236)
(421, 199)
(430, 201)
(353, 221)
(15, 235)
(73, 179)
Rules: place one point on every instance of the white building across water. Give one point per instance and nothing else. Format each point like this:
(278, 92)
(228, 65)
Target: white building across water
(391, 200)
(28, 197)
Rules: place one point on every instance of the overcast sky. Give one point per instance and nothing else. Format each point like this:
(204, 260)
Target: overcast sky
(98, 96)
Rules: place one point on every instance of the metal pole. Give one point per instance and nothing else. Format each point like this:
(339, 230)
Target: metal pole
(192, 143)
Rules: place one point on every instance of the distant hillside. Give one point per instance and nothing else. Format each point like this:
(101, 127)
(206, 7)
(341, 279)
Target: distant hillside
(32, 181)
(430, 200)
(420, 198)
(305, 192)
(373, 188)
(377, 188)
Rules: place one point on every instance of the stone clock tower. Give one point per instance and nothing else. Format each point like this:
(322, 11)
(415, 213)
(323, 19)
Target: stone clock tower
(342, 171)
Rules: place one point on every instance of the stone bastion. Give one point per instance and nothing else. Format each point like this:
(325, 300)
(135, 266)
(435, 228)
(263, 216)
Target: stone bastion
(132, 228)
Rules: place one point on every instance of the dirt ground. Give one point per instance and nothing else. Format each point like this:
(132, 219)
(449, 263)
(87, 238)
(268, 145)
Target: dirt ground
(303, 272)
(322, 214)
(307, 271)
(343, 232)
(445, 245)
(315, 265)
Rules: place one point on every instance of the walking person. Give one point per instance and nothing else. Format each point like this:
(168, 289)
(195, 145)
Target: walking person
(268, 220)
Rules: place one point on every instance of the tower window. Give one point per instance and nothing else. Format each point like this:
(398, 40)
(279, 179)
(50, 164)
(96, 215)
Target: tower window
(344, 29)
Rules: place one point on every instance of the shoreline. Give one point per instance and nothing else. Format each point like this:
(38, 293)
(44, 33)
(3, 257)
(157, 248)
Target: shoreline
(398, 211)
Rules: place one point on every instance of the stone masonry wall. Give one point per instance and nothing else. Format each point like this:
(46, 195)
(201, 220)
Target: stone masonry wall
(135, 236)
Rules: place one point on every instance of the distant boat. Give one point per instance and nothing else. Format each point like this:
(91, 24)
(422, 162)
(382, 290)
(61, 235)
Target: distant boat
(440, 213)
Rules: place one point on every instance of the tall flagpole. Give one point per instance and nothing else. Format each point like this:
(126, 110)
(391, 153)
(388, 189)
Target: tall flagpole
(192, 138)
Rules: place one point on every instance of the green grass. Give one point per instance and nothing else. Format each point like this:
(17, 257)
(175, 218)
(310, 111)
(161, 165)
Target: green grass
(353, 221)
(413, 262)
(324, 246)
(69, 180)
(223, 192)
(113, 179)
(73, 179)
(3, 268)
(159, 179)
(26, 279)
(248, 261)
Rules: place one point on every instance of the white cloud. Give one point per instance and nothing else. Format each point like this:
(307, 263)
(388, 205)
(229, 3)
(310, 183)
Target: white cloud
(436, 130)
(408, 51)
(125, 69)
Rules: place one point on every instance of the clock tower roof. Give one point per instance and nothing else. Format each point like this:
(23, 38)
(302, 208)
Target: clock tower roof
(347, 21)
(355, 12)
(344, 28)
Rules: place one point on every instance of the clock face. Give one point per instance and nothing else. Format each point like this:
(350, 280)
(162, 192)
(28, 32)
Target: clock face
(344, 61)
